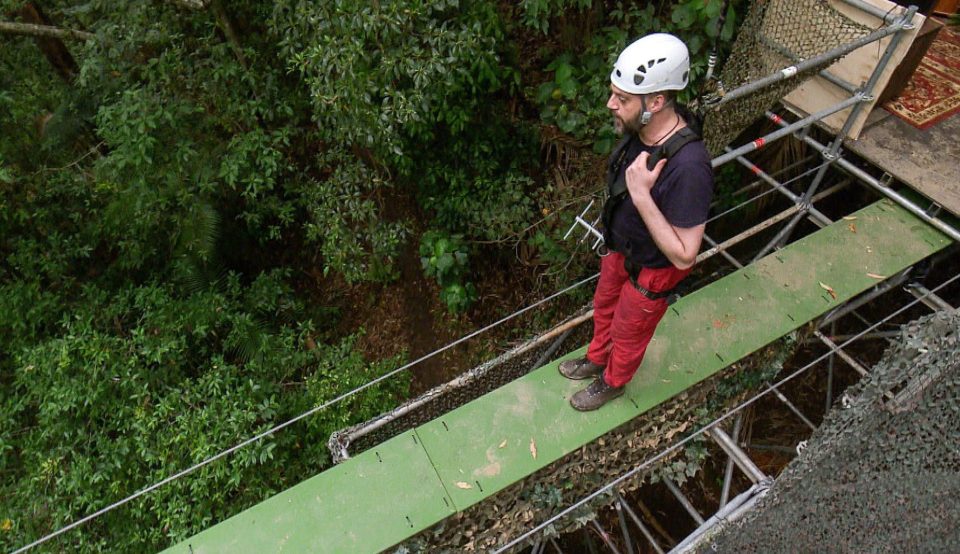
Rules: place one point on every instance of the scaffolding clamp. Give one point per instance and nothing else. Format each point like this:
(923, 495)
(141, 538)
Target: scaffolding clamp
(933, 210)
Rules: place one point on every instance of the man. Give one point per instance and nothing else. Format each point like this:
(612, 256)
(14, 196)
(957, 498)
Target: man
(654, 219)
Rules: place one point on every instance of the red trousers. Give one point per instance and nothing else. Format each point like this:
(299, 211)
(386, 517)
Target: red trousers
(624, 319)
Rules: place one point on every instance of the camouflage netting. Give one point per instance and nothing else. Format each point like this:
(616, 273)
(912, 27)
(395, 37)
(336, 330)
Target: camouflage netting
(522, 506)
(774, 35)
(882, 474)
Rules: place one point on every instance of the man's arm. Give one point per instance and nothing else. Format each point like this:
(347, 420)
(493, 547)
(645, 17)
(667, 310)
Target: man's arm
(679, 244)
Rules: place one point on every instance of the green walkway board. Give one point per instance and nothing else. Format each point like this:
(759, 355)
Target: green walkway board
(366, 504)
(487, 443)
(405, 485)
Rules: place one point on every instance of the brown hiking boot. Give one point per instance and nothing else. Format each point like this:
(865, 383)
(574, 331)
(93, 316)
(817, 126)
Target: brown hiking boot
(578, 369)
(594, 396)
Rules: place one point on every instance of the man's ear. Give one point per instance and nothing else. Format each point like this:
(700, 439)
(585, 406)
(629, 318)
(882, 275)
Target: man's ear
(659, 102)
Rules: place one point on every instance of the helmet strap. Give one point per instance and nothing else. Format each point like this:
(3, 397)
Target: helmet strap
(646, 114)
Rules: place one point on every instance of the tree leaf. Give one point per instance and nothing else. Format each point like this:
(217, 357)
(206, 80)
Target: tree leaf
(829, 289)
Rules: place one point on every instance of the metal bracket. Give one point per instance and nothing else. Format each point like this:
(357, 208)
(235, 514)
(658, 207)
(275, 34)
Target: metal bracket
(933, 210)
(886, 179)
(591, 228)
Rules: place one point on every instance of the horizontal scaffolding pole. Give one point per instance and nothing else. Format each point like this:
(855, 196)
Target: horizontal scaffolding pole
(786, 130)
(888, 16)
(878, 335)
(826, 57)
(840, 352)
(767, 178)
(865, 177)
(760, 227)
(787, 53)
(932, 301)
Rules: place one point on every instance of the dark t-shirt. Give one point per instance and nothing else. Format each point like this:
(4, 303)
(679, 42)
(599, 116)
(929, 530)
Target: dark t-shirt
(682, 192)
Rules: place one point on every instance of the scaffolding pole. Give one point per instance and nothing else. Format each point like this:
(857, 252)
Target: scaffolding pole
(623, 527)
(604, 536)
(684, 501)
(931, 300)
(831, 154)
(639, 523)
(728, 470)
(828, 56)
(880, 187)
(733, 511)
(740, 457)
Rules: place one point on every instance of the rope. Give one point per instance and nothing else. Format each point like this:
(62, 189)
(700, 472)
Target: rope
(289, 422)
(697, 433)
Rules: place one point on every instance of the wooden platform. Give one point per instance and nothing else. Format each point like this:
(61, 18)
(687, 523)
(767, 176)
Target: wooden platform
(926, 161)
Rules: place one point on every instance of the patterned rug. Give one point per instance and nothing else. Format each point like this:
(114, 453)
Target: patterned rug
(933, 93)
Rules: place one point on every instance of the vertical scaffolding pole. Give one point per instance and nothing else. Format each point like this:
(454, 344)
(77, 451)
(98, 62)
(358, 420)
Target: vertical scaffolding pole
(623, 526)
(728, 471)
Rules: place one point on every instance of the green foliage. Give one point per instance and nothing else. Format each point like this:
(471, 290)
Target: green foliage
(550, 250)
(445, 258)
(160, 211)
(537, 13)
(727, 182)
(574, 99)
(138, 384)
(401, 87)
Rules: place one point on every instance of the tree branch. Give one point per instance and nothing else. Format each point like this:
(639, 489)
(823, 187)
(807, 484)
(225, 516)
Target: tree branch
(228, 29)
(45, 31)
(192, 4)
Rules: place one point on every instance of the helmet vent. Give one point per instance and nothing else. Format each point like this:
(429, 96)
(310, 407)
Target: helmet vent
(637, 78)
(661, 60)
(642, 69)
(619, 74)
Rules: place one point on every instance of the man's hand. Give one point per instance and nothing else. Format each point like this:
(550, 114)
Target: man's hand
(680, 245)
(640, 180)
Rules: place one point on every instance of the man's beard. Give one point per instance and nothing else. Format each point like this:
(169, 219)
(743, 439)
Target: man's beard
(622, 126)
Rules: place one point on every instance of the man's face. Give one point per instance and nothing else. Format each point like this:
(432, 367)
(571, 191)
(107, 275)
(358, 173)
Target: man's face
(626, 110)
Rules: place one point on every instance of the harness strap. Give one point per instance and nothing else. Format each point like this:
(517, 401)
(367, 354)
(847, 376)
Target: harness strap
(649, 293)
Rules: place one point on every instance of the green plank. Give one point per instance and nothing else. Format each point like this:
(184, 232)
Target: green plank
(364, 504)
(485, 446)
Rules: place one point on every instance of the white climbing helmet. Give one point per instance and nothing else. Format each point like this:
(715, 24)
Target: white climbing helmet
(651, 64)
